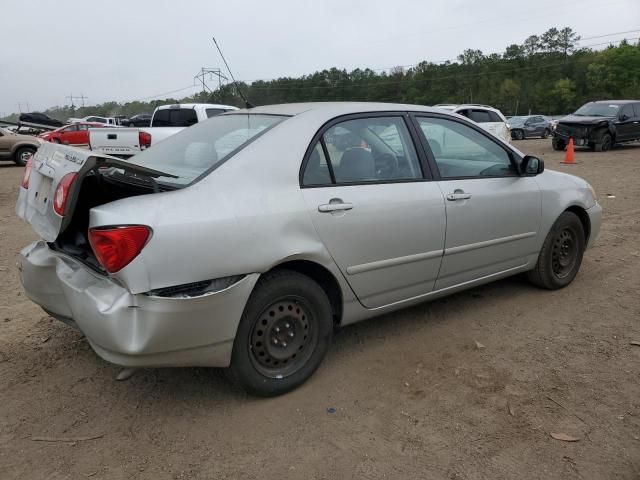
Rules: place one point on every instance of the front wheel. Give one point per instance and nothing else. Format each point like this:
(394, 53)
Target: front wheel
(517, 134)
(561, 254)
(23, 155)
(605, 144)
(558, 144)
(546, 133)
(284, 334)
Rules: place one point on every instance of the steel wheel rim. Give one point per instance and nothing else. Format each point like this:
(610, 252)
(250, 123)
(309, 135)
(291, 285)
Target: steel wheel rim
(283, 338)
(564, 253)
(25, 156)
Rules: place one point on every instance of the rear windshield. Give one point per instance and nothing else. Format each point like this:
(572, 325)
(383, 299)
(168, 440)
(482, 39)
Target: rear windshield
(598, 110)
(198, 149)
(174, 117)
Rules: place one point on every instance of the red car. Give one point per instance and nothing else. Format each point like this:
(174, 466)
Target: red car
(76, 134)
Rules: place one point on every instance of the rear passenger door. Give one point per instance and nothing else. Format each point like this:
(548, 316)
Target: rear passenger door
(374, 208)
(628, 124)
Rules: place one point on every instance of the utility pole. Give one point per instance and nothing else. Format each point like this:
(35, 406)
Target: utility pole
(20, 104)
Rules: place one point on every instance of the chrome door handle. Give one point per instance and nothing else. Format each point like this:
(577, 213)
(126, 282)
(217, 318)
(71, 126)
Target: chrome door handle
(335, 207)
(452, 197)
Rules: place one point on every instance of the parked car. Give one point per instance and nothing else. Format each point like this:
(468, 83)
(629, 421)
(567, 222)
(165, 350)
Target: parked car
(529, 126)
(76, 134)
(38, 118)
(112, 121)
(489, 118)
(166, 120)
(140, 120)
(599, 125)
(16, 147)
(244, 241)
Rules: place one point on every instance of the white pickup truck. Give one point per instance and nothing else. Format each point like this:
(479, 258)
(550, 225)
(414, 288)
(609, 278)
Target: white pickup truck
(166, 120)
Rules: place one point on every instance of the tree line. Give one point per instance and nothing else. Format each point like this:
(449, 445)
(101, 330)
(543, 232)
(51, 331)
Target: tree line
(546, 74)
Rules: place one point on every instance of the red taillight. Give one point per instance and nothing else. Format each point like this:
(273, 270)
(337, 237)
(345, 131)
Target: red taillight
(116, 247)
(144, 139)
(62, 193)
(27, 173)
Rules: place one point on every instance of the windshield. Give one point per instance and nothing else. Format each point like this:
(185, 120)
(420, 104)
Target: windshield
(517, 120)
(200, 148)
(598, 110)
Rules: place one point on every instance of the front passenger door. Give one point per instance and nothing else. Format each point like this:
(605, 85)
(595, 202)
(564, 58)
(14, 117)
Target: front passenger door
(627, 124)
(493, 213)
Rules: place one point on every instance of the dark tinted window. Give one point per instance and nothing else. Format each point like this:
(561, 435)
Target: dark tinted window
(627, 110)
(178, 117)
(212, 112)
(481, 116)
(494, 116)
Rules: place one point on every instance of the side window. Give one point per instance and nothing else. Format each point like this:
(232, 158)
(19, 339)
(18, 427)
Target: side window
(317, 169)
(212, 112)
(83, 127)
(72, 128)
(480, 116)
(462, 152)
(636, 110)
(626, 110)
(494, 117)
(372, 150)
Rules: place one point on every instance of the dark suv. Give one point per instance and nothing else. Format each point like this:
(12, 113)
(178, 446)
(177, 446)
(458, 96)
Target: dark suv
(600, 125)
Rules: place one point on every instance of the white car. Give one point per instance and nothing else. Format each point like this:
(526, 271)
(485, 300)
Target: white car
(95, 119)
(490, 119)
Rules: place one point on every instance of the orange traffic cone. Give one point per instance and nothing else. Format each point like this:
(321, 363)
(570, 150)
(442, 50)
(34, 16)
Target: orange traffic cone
(570, 156)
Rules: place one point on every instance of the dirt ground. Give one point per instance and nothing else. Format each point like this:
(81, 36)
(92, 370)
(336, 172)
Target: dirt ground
(414, 396)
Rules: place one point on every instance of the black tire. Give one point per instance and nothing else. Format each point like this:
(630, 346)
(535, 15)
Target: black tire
(561, 254)
(56, 140)
(605, 144)
(517, 134)
(22, 154)
(284, 305)
(558, 144)
(546, 133)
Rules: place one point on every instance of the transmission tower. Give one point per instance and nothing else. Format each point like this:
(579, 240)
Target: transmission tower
(211, 72)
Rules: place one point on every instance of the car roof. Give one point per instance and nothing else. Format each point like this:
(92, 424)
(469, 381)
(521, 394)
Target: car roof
(619, 102)
(334, 109)
(193, 105)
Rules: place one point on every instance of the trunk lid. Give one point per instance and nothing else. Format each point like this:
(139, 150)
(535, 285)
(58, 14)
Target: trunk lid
(50, 164)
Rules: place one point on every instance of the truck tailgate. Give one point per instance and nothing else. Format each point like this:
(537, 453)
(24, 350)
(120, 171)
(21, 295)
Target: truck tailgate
(115, 141)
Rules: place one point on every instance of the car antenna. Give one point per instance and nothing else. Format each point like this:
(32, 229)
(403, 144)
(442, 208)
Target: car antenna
(247, 103)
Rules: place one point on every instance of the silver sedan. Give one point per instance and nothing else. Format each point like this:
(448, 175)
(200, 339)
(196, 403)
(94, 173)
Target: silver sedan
(243, 241)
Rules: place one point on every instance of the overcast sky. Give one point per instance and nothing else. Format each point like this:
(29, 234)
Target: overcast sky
(126, 50)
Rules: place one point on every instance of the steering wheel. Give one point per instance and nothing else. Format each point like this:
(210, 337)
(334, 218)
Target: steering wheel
(386, 166)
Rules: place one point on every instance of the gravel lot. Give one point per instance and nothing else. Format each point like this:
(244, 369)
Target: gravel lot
(414, 396)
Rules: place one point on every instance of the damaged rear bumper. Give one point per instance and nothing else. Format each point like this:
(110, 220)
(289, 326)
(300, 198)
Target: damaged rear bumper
(138, 330)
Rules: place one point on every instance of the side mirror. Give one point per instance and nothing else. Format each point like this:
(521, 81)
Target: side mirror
(531, 165)
(624, 117)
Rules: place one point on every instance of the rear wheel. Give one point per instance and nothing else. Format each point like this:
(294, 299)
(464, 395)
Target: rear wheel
(561, 254)
(558, 144)
(23, 154)
(546, 133)
(605, 144)
(284, 334)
